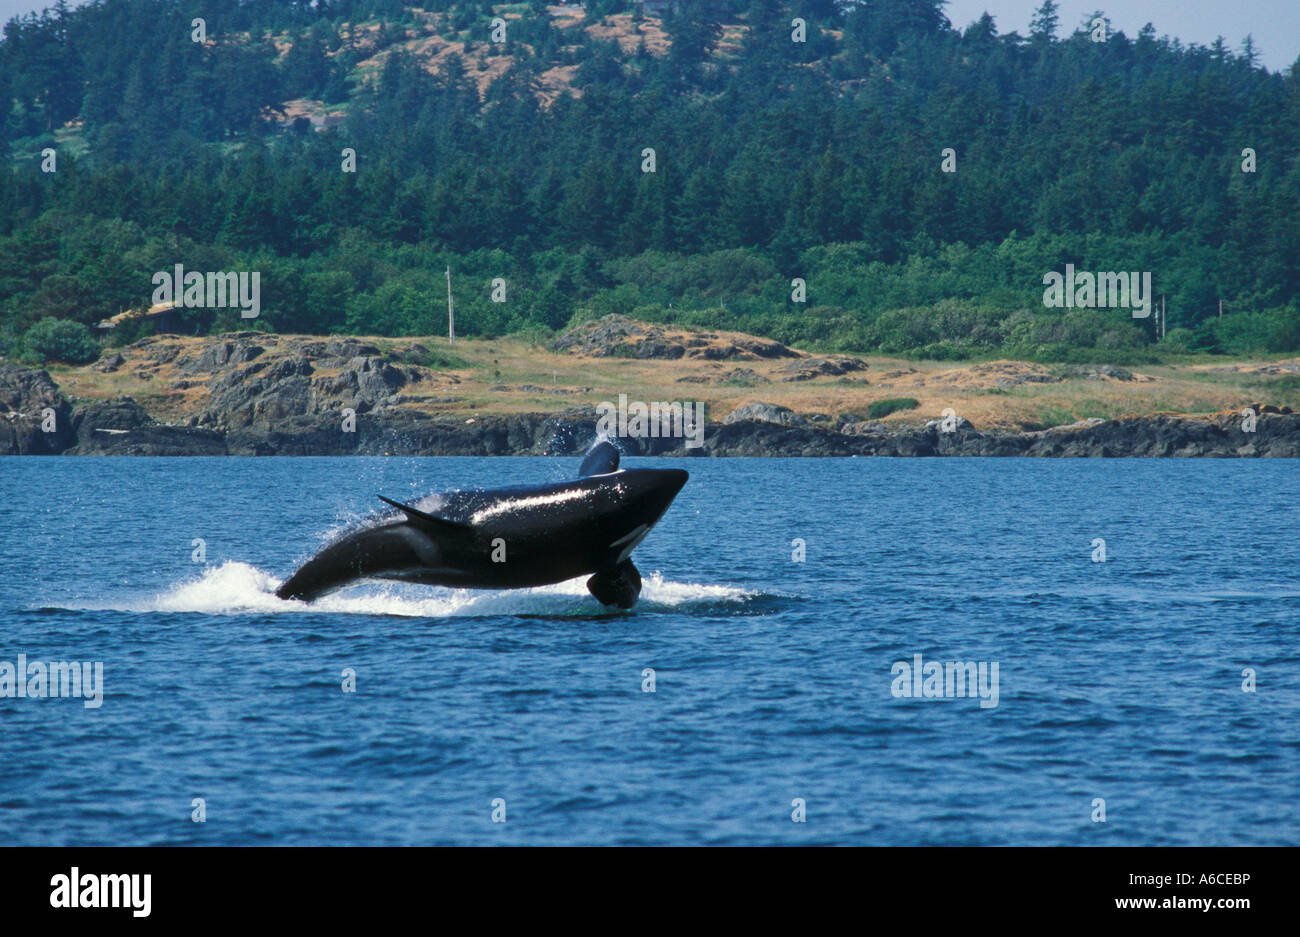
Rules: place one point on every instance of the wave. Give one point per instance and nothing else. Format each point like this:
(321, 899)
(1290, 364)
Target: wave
(240, 589)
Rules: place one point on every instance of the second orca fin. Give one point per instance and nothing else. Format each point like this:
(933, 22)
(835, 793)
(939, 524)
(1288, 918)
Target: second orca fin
(602, 459)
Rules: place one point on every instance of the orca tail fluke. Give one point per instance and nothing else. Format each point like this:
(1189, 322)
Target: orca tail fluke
(617, 586)
(370, 551)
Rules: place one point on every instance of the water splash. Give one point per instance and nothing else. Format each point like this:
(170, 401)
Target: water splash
(240, 589)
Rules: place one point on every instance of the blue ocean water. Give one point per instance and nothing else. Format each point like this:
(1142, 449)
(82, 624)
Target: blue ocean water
(1119, 681)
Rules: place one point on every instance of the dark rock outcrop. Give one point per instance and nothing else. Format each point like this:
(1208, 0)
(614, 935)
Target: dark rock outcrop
(806, 369)
(287, 389)
(1276, 434)
(759, 412)
(620, 337)
(108, 363)
(1099, 372)
(244, 396)
(122, 427)
(236, 350)
(404, 432)
(35, 419)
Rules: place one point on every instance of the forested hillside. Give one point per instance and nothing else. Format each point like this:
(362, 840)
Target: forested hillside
(774, 159)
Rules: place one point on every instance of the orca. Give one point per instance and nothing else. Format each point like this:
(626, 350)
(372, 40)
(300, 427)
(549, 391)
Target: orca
(507, 538)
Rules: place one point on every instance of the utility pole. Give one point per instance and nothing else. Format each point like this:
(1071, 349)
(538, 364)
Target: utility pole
(451, 315)
(1220, 309)
(1164, 318)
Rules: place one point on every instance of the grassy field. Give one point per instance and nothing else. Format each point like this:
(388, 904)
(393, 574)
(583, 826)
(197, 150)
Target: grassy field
(516, 375)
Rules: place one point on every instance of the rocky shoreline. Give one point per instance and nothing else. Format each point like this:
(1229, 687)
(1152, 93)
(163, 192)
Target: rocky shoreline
(285, 415)
(263, 394)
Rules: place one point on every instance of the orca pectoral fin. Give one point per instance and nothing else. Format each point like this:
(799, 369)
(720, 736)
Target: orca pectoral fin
(618, 586)
(601, 460)
(438, 523)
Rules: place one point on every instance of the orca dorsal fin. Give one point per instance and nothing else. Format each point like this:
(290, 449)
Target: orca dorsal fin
(601, 460)
(417, 514)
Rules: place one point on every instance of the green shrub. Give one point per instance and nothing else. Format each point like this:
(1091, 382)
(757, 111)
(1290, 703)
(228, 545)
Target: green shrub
(537, 336)
(62, 340)
(1178, 342)
(945, 350)
(882, 408)
(1274, 331)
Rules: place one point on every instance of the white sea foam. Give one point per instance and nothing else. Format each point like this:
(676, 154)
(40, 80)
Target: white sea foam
(240, 589)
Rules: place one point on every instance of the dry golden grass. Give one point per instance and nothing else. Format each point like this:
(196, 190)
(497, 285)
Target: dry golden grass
(992, 395)
(483, 61)
(623, 30)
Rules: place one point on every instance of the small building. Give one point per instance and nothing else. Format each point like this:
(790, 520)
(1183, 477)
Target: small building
(161, 315)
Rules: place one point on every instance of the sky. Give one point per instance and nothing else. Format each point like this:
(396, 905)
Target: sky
(1274, 24)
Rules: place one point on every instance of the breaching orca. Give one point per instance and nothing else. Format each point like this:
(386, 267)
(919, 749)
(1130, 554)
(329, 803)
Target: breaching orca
(508, 538)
